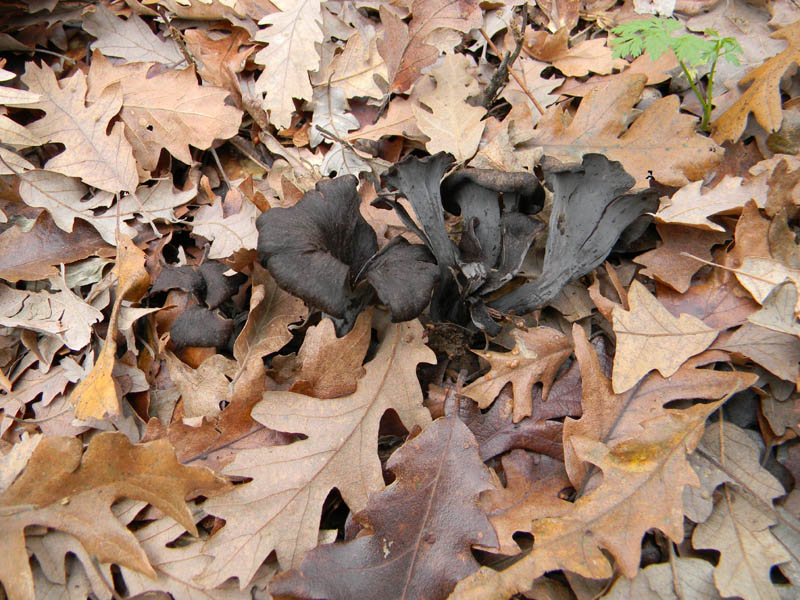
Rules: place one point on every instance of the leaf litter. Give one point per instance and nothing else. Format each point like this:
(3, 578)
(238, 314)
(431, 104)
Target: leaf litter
(422, 299)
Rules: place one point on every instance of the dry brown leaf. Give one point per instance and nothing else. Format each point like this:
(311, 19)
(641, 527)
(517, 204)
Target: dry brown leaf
(667, 263)
(406, 49)
(643, 481)
(328, 366)
(529, 72)
(220, 59)
(398, 120)
(739, 529)
(452, 125)
(355, 70)
(760, 276)
(205, 390)
(667, 580)
(290, 55)
(535, 358)
(693, 206)
(97, 396)
(70, 492)
(103, 160)
(777, 352)
(280, 509)
(578, 61)
(649, 337)
(421, 528)
(129, 38)
(779, 309)
(228, 233)
(168, 110)
(608, 417)
(661, 142)
(763, 97)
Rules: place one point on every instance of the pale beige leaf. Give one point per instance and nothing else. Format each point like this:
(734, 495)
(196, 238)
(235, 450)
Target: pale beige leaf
(204, 390)
(289, 56)
(168, 110)
(331, 113)
(530, 73)
(13, 461)
(649, 337)
(739, 529)
(453, 125)
(227, 234)
(690, 577)
(779, 309)
(691, 205)
(129, 38)
(356, 69)
(14, 134)
(280, 509)
(399, 119)
(761, 275)
(13, 160)
(100, 159)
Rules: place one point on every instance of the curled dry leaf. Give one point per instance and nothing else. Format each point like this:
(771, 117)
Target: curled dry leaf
(421, 527)
(97, 396)
(73, 492)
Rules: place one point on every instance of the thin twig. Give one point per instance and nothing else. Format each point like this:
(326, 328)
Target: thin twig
(500, 76)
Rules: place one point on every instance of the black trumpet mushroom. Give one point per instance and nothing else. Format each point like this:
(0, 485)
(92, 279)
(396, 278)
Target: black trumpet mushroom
(323, 251)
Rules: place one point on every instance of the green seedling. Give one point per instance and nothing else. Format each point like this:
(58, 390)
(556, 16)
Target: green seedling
(654, 36)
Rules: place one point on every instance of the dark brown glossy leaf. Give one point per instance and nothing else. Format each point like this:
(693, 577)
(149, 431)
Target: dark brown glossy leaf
(423, 526)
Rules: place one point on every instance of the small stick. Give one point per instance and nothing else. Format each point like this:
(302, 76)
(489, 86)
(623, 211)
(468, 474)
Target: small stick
(500, 76)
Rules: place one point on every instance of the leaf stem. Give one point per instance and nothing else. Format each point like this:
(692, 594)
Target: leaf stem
(696, 91)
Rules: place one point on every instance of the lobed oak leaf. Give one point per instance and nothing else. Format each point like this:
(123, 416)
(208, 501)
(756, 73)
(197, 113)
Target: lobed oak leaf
(649, 337)
(530, 73)
(778, 313)
(661, 142)
(452, 125)
(357, 70)
(280, 509)
(167, 110)
(536, 357)
(643, 481)
(668, 263)
(667, 580)
(406, 48)
(421, 527)
(399, 120)
(129, 38)
(777, 352)
(760, 276)
(220, 59)
(585, 57)
(692, 206)
(739, 529)
(103, 160)
(290, 55)
(763, 97)
(228, 233)
(63, 489)
(608, 416)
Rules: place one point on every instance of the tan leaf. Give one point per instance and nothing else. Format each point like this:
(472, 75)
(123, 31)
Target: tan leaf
(101, 160)
(65, 490)
(668, 580)
(693, 206)
(779, 309)
(97, 396)
(585, 57)
(289, 56)
(168, 110)
(129, 38)
(331, 366)
(453, 125)
(206, 389)
(355, 70)
(406, 49)
(761, 275)
(739, 530)
(535, 358)
(530, 73)
(399, 119)
(608, 417)
(763, 97)
(649, 337)
(227, 233)
(290, 483)
(777, 352)
(643, 481)
(661, 142)
(668, 263)
(220, 59)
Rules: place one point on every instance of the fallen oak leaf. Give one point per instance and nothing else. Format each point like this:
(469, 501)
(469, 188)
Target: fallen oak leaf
(290, 483)
(536, 357)
(97, 396)
(73, 492)
(649, 337)
(422, 527)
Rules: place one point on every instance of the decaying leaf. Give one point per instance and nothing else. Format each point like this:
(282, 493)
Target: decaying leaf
(536, 357)
(291, 482)
(649, 337)
(422, 527)
(65, 490)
